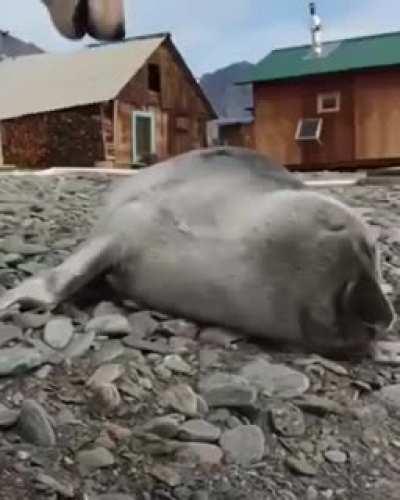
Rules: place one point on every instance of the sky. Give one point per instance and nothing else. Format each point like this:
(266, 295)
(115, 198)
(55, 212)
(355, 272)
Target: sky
(212, 34)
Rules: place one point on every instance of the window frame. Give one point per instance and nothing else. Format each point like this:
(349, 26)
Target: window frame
(310, 138)
(328, 95)
(143, 114)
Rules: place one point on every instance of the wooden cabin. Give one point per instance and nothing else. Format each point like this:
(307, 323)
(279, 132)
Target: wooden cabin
(336, 110)
(123, 104)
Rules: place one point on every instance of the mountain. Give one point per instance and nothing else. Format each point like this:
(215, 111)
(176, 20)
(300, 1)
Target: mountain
(229, 100)
(10, 46)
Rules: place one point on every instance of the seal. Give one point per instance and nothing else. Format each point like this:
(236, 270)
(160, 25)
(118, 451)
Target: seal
(225, 236)
(101, 19)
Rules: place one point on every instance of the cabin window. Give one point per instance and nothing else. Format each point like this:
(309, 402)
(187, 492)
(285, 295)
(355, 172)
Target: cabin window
(144, 132)
(329, 103)
(154, 77)
(309, 129)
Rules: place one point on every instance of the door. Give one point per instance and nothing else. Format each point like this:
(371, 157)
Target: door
(144, 140)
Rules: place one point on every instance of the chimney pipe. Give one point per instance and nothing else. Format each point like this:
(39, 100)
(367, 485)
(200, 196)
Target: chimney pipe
(316, 30)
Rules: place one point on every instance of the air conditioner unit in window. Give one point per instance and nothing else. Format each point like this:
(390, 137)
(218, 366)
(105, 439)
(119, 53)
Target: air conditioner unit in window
(309, 129)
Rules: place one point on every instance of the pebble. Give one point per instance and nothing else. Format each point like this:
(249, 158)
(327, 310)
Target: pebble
(288, 420)
(199, 431)
(106, 374)
(167, 427)
(112, 325)
(182, 399)
(35, 425)
(320, 406)
(179, 328)
(8, 417)
(106, 309)
(17, 360)
(9, 333)
(176, 364)
(301, 466)
(243, 445)
(226, 390)
(105, 397)
(142, 324)
(390, 395)
(219, 337)
(110, 351)
(166, 474)
(114, 496)
(387, 353)
(32, 320)
(64, 490)
(275, 380)
(97, 458)
(79, 345)
(58, 333)
(336, 456)
(200, 453)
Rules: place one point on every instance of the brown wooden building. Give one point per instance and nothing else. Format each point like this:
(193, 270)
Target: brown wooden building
(123, 104)
(339, 109)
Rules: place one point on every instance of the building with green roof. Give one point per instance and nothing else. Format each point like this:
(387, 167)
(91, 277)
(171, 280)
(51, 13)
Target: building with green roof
(335, 108)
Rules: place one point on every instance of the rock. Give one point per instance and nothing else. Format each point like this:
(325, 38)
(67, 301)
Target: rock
(226, 390)
(79, 345)
(176, 364)
(105, 398)
(219, 337)
(43, 372)
(387, 353)
(209, 358)
(58, 333)
(97, 458)
(143, 325)
(106, 374)
(106, 309)
(301, 466)
(390, 395)
(32, 320)
(320, 406)
(182, 399)
(288, 420)
(336, 456)
(64, 490)
(166, 475)
(146, 346)
(325, 363)
(8, 333)
(112, 325)
(15, 244)
(16, 360)
(166, 427)
(275, 380)
(131, 389)
(8, 417)
(243, 445)
(109, 352)
(199, 431)
(35, 425)
(114, 496)
(179, 328)
(200, 453)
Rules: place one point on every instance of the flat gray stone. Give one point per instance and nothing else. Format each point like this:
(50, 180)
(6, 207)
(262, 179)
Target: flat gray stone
(275, 380)
(58, 333)
(17, 360)
(9, 333)
(301, 467)
(166, 427)
(35, 426)
(143, 324)
(8, 417)
(226, 390)
(176, 364)
(115, 496)
(243, 445)
(200, 453)
(387, 353)
(288, 420)
(199, 431)
(336, 456)
(110, 351)
(390, 395)
(65, 490)
(220, 337)
(106, 374)
(112, 325)
(182, 399)
(106, 309)
(32, 320)
(97, 458)
(79, 345)
(179, 328)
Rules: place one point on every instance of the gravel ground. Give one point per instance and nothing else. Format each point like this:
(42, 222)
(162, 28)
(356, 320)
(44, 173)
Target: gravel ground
(142, 406)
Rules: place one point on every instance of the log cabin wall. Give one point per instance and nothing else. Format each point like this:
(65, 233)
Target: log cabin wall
(181, 115)
(280, 106)
(239, 135)
(69, 137)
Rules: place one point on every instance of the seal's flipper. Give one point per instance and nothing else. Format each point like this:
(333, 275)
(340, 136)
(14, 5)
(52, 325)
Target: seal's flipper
(51, 287)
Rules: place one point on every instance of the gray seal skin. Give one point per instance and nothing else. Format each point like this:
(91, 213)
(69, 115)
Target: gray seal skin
(224, 236)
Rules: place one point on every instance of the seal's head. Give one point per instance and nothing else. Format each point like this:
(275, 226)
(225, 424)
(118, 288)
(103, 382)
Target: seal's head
(335, 275)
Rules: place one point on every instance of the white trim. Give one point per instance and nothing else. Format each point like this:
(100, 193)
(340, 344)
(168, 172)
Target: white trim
(143, 114)
(330, 95)
(315, 137)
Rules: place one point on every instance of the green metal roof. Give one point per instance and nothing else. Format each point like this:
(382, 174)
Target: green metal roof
(350, 54)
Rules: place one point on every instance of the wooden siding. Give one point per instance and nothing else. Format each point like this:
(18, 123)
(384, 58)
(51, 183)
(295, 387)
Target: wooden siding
(240, 135)
(178, 102)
